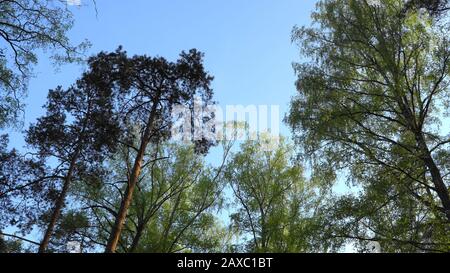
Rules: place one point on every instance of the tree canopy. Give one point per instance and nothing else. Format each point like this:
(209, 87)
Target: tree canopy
(102, 169)
(275, 205)
(373, 93)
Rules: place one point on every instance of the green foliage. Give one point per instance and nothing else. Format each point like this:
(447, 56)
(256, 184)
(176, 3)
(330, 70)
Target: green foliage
(185, 221)
(372, 91)
(276, 207)
(386, 212)
(101, 171)
(174, 205)
(25, 27)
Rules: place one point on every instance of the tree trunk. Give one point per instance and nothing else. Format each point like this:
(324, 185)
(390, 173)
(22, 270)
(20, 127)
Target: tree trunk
(134, 177)
(58, 206)
(136, 238)
(436, 176)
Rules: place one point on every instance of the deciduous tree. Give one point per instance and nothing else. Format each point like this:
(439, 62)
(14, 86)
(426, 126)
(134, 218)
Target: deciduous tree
(276, 206)
(25, 27)
(372, 92)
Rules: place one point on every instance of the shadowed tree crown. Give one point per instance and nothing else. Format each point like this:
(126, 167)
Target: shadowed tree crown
(147, 90)
(78, 132)
(149, 87)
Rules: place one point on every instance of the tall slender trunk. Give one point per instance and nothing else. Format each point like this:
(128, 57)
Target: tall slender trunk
(134, 177)
(58, 205)
(436, 176)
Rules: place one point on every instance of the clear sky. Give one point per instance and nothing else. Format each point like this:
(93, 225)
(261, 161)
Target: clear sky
(247, 45)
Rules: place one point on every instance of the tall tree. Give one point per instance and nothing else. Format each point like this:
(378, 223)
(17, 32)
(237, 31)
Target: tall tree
(149, 88)
(25, 27)
(78, 131)
(276, 206)
(372, 92)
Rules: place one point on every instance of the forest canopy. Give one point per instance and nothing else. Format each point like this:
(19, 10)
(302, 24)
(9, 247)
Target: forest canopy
(101, 169)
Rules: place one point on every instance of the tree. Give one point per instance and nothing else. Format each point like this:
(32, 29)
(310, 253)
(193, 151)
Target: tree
(172, 206)
(276, 206)
(78, 132)
(172, 209)
(25, 27)
(372, 91)
(149, 88)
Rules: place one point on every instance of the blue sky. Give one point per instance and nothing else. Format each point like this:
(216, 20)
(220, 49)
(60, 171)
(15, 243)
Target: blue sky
(247, 45)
